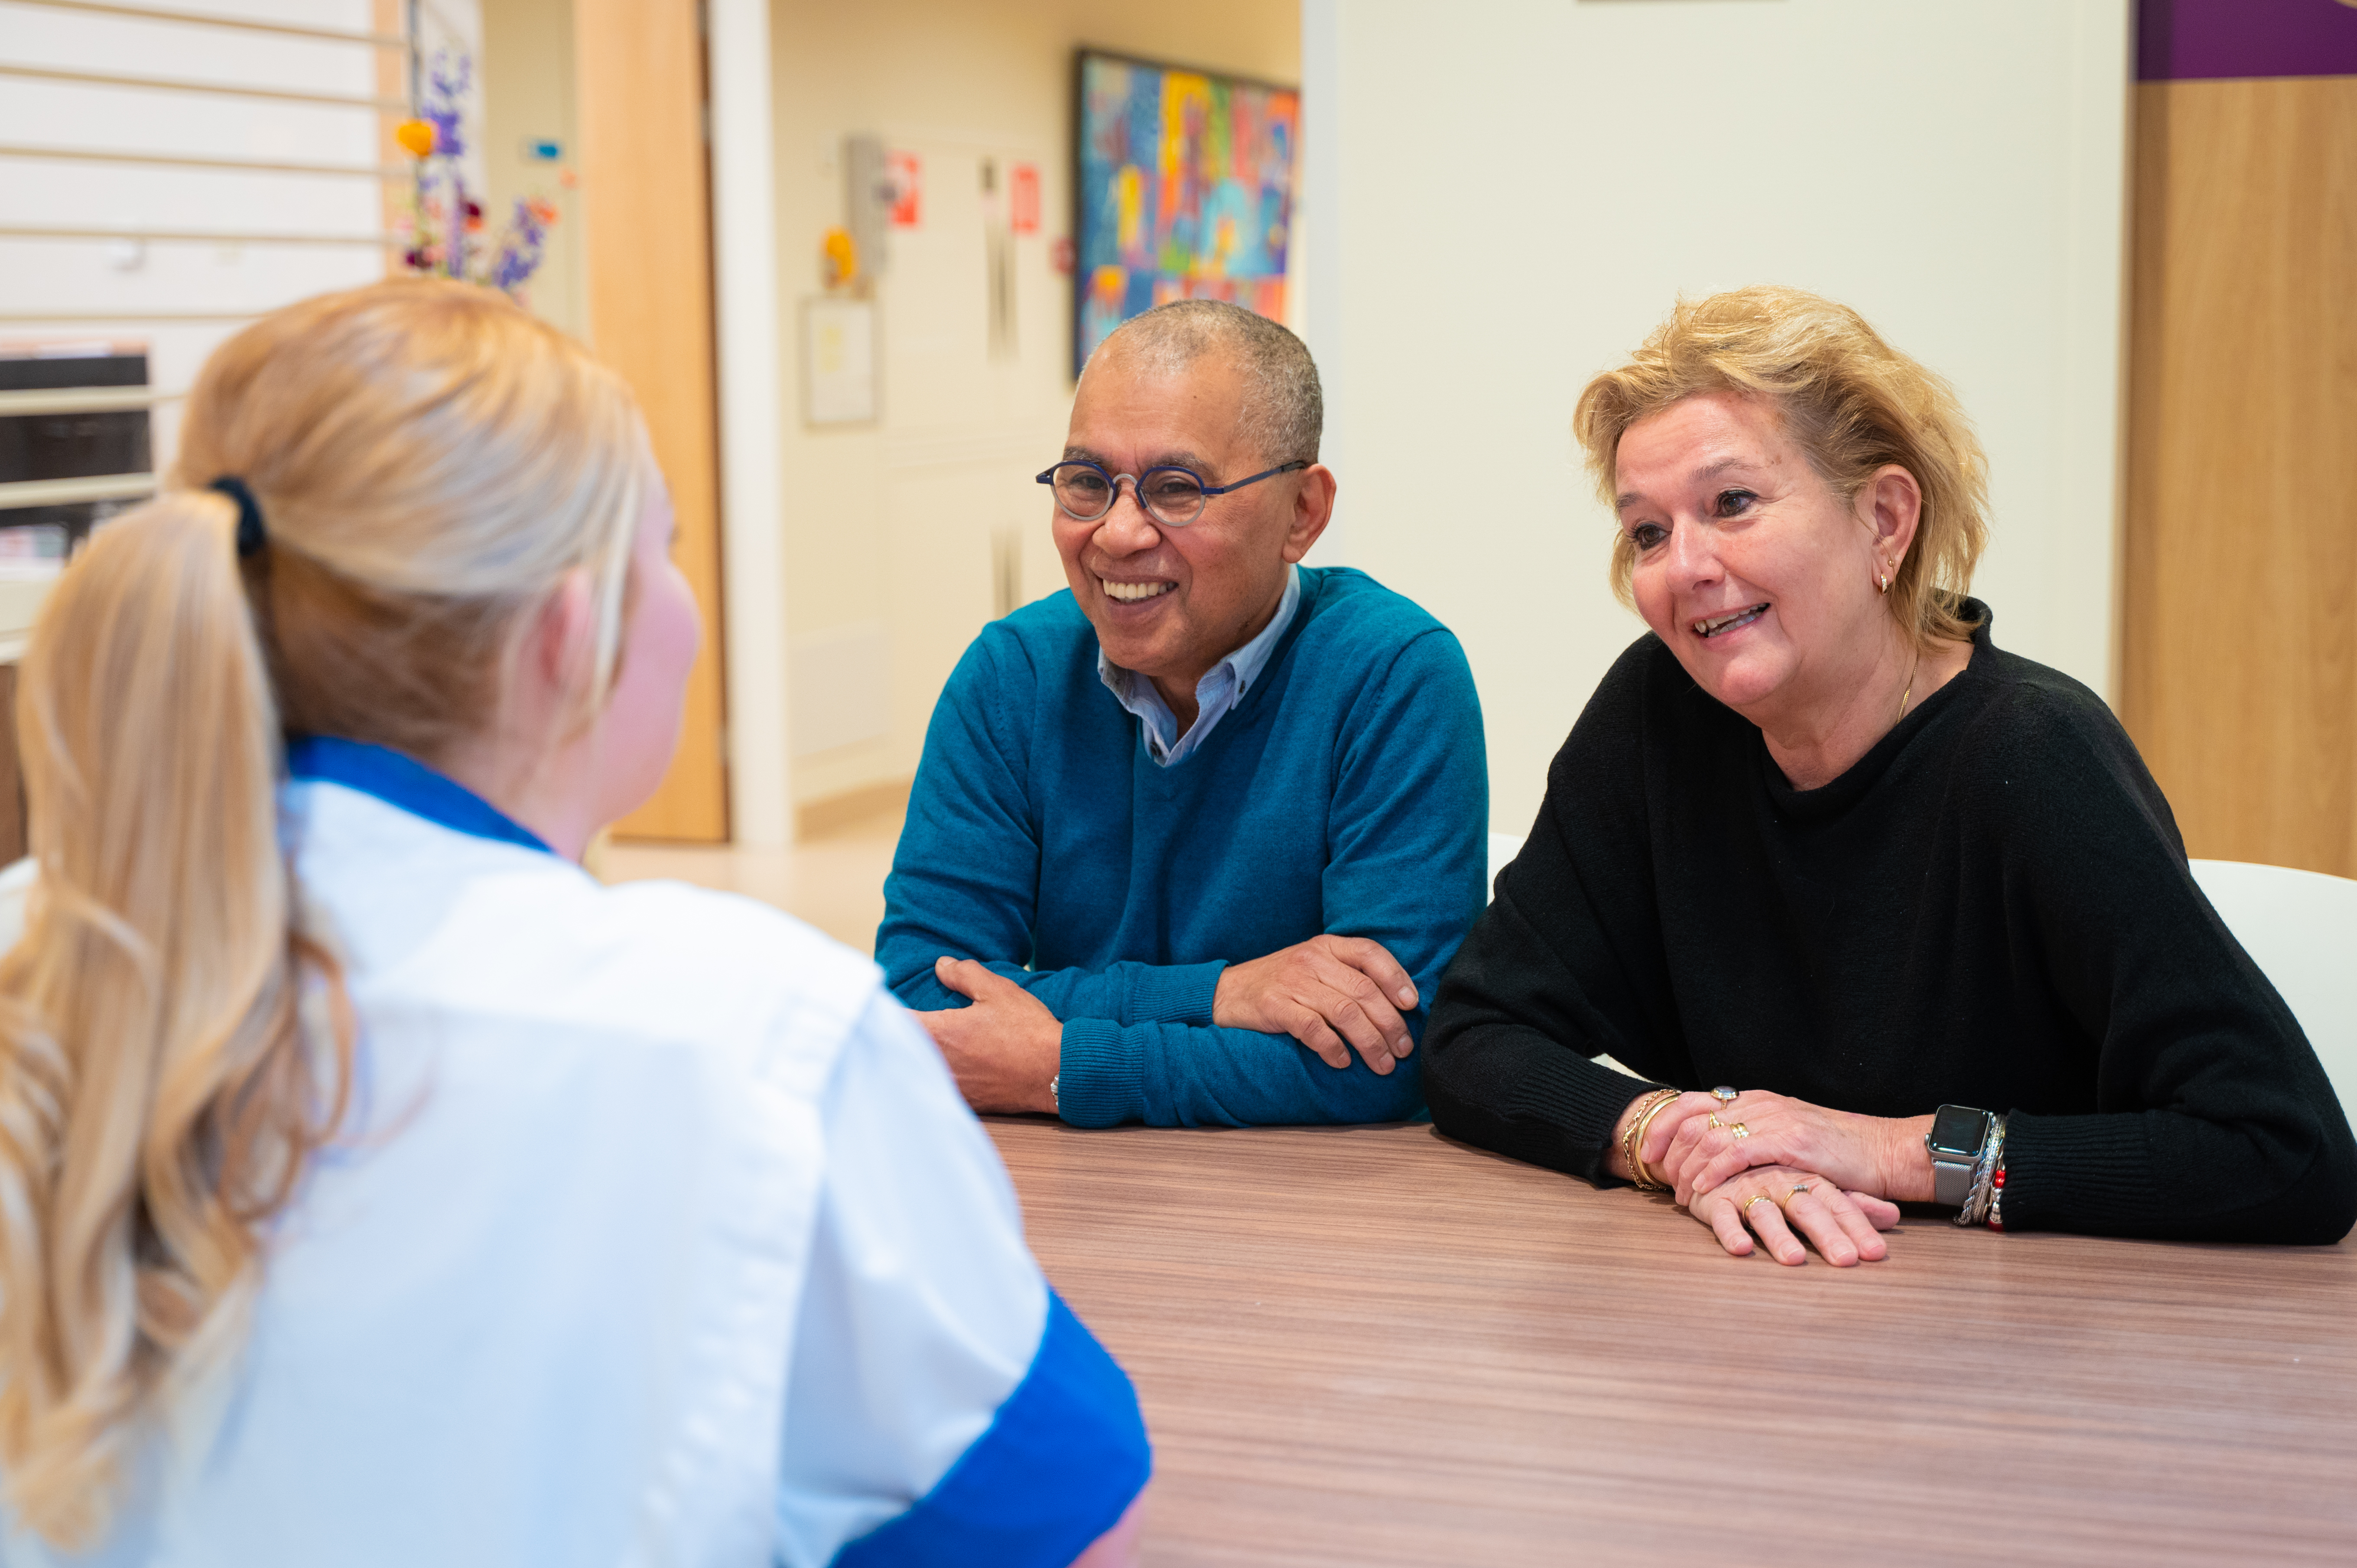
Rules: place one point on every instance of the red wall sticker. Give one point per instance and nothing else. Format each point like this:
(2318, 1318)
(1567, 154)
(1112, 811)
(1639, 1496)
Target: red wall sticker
(1023, 198)
(907, 174)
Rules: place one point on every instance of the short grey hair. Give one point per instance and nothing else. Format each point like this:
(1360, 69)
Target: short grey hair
(1285, 411)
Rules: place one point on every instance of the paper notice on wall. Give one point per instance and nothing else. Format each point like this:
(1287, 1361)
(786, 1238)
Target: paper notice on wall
(838, 361)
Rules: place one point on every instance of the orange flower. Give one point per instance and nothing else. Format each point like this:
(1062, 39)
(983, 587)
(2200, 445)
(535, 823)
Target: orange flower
(416, 137)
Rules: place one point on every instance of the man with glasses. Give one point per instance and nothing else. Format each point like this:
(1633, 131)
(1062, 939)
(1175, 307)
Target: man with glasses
(1192, 843)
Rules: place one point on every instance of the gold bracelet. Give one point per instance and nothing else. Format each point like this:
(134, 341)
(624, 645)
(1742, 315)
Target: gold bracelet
(1630, 1140)
(1627, 1134)
(1633, 1139)
(1638, 1170)
(1668, 1099)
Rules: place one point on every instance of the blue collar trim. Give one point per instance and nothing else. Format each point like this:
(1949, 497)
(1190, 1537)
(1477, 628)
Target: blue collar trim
(407, 784)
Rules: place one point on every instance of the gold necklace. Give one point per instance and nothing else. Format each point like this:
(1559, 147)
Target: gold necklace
(1911, 668)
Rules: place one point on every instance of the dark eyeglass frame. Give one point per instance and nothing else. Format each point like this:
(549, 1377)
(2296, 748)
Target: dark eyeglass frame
(1137, 488)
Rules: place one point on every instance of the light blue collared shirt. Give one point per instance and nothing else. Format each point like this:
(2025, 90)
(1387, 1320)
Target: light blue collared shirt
(1220, 689)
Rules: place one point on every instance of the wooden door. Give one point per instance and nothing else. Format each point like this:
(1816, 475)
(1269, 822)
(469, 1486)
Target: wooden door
(647, 228)
(2241, 649)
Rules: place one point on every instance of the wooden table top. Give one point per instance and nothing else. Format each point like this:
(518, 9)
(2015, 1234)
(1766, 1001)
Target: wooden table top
(1371, 1346)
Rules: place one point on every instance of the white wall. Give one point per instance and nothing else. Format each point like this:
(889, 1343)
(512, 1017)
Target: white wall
(1503, 198)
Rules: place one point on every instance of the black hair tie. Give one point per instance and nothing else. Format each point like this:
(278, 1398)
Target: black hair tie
(251, 536)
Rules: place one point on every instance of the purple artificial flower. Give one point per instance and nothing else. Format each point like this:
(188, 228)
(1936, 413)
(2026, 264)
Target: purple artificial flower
(519, 251)
(446, 81)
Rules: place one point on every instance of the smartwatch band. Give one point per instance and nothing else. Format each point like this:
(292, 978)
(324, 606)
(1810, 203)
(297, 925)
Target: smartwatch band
(1956, 1161)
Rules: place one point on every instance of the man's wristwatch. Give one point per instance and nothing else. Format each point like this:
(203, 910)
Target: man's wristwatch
(1958, 1135)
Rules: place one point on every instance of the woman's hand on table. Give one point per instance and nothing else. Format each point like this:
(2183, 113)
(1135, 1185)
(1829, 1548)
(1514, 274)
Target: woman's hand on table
(1660, 1126)
(1859, 1153)
(1774, 1201)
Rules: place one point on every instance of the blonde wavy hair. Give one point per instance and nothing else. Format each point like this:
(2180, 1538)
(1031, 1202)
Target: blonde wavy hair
(175, 1039)
(1852, 402)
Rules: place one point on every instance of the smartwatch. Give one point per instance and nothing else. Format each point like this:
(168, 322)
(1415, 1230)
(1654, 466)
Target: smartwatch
(1958, 1135)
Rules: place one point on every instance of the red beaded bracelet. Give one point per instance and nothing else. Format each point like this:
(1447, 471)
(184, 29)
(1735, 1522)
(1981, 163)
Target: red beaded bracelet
(1997, 1200)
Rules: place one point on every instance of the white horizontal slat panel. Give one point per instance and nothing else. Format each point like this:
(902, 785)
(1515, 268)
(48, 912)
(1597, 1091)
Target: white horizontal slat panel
(50, 193)
(122, 119)
(94, 41)
(182, 297)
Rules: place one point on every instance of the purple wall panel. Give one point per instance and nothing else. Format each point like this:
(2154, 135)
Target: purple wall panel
(2181, 39)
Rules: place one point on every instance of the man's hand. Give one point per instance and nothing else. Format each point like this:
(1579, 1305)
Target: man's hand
(1003, 1050)
(1329, 993)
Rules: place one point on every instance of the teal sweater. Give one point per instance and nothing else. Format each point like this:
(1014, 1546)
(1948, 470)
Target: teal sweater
(1348, 792)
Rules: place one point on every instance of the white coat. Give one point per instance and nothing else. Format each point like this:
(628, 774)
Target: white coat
(658, 1235)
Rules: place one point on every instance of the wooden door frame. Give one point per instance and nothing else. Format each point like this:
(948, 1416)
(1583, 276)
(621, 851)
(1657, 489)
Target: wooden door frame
(646, 182)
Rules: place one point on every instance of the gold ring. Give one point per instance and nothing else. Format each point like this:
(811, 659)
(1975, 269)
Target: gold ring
(1762, 1197)
(1740, 1130)
(1714, 1122)
(1793, 1192)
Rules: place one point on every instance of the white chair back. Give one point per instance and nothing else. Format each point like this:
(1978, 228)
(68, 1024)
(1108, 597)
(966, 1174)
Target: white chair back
(1503, 847)
(2300, 929)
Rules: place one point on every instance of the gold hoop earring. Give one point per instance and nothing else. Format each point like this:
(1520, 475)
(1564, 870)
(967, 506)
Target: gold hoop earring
(1885, 579)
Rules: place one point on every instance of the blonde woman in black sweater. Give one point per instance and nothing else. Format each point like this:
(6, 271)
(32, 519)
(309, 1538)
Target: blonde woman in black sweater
(1881, 912)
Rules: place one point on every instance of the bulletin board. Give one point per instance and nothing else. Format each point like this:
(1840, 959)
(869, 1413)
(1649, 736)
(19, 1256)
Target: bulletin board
(1183, 190)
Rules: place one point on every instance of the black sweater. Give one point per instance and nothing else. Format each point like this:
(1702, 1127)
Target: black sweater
(1992, 908)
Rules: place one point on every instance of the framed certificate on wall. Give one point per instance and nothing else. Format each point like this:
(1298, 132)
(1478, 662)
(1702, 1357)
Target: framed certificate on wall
(838, 361)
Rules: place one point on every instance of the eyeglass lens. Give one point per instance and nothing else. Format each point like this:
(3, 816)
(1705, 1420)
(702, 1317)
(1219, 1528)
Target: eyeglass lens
(1170, 495)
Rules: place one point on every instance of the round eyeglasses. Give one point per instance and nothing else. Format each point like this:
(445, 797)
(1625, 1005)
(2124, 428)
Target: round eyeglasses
(1172, 497)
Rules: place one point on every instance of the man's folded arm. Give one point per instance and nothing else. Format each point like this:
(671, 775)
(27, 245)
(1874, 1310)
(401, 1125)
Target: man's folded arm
(1166, 1075)
(1122, 993)
(1410, 822)
(1409, 835)
(965, 878)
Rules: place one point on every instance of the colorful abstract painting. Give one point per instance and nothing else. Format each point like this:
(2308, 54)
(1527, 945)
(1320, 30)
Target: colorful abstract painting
(1185, 191)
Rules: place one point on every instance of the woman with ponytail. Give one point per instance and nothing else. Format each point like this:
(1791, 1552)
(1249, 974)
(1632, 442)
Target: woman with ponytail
(374, 1185)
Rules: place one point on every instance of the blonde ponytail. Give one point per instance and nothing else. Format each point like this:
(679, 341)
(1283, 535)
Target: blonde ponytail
(149, 1045)
(174, 1043)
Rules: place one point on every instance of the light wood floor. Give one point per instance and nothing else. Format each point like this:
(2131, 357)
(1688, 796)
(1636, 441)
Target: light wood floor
(835, 882)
